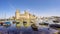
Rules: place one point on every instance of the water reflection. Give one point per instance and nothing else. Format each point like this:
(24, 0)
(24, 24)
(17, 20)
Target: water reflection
(23, 30)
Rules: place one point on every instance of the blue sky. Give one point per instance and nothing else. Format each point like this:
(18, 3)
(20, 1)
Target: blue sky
(37, 7)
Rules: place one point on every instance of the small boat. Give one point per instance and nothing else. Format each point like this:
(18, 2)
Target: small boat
(7, 24)
(34, 27)
(14, 22)
(43, 24)
(1, 23)
(55, 26)
(55, 21)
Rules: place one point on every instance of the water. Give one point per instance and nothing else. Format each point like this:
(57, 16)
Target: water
(22, 30)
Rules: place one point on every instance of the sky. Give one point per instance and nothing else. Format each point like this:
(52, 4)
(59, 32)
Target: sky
(36, 7)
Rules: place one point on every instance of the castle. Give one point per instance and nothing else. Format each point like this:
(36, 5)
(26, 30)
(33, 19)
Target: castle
(27, 17)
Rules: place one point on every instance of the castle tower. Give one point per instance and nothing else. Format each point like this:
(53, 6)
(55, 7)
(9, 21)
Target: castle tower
(27, 14)
(17, 14)
(27, 18)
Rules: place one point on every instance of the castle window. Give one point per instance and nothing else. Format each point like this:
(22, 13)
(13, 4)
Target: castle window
(24, 22)
(17, 22)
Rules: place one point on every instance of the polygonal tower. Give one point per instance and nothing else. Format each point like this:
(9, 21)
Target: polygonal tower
(17, 14)
(27, 14)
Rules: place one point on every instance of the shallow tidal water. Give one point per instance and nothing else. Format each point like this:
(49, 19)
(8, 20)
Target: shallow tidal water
(23, 30)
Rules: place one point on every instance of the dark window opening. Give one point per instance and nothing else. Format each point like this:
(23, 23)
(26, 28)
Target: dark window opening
(31, 22)
(17, 22)
(24, 22)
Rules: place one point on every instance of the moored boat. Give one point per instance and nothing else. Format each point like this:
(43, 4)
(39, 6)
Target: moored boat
(1, 23)
(7, 24)
(34, 27)
(55, 26)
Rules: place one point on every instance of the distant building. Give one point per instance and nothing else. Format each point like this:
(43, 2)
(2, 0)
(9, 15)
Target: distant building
(27, 17)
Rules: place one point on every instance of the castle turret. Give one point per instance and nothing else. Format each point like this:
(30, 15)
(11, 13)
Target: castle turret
(27, 14)
(17, 14)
